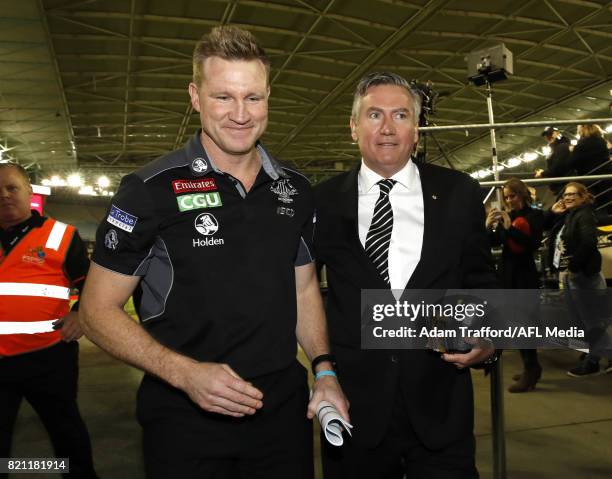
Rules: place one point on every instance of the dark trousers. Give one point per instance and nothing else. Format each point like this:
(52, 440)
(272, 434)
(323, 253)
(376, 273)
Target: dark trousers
(47, 379)
(530, 359)
(400, 455)
(181, 440)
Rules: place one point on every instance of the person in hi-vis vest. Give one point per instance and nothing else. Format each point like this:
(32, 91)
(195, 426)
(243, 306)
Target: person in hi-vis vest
(41, 259)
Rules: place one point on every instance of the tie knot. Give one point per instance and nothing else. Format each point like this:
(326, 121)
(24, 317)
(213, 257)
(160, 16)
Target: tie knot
(386, 185)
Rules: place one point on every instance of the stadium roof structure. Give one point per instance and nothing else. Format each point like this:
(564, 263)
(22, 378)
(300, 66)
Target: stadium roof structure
(101, 85)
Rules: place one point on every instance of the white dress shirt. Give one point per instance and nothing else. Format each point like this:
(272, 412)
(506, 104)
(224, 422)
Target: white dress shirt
(406, 199)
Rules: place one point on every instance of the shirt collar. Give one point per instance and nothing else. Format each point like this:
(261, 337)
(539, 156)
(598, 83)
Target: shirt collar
(35, 220)
(405, 177)
(201, 163)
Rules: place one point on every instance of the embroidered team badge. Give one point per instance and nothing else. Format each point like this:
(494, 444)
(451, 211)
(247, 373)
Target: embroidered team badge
(284, 189)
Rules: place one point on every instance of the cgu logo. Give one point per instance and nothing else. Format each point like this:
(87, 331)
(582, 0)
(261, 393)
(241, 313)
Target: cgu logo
(199, 201)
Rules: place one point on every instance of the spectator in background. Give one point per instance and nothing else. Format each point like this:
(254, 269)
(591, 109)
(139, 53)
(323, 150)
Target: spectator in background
(40, 260)
(576, 253)
(558, 161)
(520, 233)
(590, 156)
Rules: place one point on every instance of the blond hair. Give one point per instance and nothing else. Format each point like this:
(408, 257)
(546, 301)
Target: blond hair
(228, 43)
(590, 130)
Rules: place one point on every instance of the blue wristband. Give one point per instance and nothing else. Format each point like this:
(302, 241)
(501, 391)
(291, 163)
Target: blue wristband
(325, 372)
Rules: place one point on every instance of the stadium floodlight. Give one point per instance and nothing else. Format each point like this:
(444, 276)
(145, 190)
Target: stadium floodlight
(103, 182)
(530, 156)
(74, 180)
(512, 162)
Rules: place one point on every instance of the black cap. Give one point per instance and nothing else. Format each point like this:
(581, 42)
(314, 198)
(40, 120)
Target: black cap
(548, 131)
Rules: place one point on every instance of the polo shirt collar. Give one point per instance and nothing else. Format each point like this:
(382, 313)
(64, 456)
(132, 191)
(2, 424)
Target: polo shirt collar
(200, 163)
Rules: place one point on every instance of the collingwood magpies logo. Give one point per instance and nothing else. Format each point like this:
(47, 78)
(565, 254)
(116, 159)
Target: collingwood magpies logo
(284, 190)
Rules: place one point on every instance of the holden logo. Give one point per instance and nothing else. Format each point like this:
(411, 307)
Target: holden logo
(206, 224)
(199, 165)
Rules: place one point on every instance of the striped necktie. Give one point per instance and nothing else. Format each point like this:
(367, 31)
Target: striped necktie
(379, 234)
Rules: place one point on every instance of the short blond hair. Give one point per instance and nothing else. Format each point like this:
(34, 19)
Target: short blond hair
(229, 43)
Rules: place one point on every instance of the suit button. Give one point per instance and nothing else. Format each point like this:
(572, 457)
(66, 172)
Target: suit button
(394, 358)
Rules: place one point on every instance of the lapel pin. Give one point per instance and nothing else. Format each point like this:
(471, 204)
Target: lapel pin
(434, 197)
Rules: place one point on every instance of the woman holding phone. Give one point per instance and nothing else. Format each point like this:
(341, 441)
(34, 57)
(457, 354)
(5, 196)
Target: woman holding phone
(518, 229)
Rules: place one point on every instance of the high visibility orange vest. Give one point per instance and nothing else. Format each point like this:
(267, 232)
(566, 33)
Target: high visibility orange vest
(34, 291)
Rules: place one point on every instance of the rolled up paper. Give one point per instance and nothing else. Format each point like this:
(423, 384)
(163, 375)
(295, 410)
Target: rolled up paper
(332, 423)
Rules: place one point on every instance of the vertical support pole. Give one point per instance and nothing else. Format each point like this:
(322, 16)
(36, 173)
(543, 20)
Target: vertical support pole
(497, 421)
(497, 387)
(493, 141)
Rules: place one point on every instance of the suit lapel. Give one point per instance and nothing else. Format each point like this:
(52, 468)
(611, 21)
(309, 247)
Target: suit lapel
(431, 261)
(350, 199)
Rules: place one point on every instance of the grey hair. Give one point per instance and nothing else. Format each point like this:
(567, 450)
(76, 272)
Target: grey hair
(385, 78)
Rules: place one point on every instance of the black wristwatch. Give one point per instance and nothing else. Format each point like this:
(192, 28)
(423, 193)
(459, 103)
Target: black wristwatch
(322, 358)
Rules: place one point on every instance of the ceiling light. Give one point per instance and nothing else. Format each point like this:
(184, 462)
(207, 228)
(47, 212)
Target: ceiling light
(87, 190)
(57, 181)
(574, 142)
(484, 173)
(609, 128)
(103, 182)
(512, 162)
(46, 182)
(75, 180)
(530, 156)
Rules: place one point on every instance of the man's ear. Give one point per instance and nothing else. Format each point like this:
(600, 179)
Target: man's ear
(194, 94)
(353, 130)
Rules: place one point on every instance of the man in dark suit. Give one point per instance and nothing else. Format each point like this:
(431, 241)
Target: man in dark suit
(393, 223)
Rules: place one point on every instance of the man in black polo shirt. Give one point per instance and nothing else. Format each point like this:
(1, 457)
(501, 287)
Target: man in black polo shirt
(219, 236)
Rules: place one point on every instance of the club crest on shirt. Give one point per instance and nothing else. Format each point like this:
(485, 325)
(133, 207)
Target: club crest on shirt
(34, 255)
(284, 189)
(111, 239)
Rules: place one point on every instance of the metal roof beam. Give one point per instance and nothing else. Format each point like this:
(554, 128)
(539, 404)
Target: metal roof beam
(68, 16)
(65, 18)
(392, 40)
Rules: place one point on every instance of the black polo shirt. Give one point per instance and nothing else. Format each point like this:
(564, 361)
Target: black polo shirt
(217, 263)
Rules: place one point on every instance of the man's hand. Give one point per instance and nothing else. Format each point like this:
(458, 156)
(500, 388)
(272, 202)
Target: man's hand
(217, 388)
(465, 360)
(70, 327)
(328, 389)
